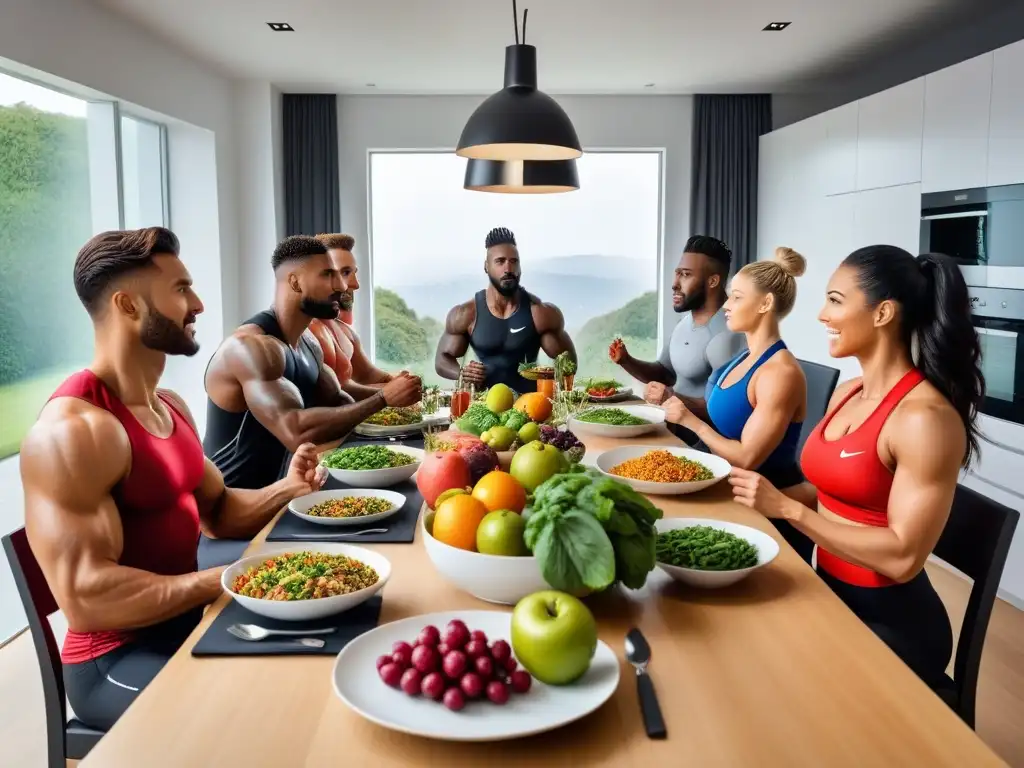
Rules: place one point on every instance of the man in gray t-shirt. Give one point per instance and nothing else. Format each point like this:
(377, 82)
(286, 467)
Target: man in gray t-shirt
(700, 343)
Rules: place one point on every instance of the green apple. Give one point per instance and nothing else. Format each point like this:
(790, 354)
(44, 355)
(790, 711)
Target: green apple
(536, 462)
(554, 636)
(499, 398)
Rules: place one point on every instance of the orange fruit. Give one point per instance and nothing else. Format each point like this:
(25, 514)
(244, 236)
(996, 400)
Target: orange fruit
(535, 405)
(456, 521)
(499, 490)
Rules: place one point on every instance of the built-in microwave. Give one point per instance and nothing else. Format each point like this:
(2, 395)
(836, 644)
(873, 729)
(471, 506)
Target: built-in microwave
(983, 229)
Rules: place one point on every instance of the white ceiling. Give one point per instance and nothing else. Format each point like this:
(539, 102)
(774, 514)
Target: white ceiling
(584, 46)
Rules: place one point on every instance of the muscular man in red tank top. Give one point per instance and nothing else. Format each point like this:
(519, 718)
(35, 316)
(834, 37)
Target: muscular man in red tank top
(116, 484)
(343, 349)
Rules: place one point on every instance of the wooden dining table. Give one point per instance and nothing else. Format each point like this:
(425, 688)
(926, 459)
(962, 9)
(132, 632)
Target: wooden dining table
(774, 670)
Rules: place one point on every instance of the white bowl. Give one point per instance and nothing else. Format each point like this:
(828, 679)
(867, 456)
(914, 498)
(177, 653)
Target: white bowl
(307, 610)
(493, 578)
(653, 415)
(379, 478)
(767, 550)
(610, 459)
(300, 506)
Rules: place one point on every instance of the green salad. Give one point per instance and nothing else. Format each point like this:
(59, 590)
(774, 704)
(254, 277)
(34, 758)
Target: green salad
(364, 457)
(588, 531)
(612, 416)
(704, 548)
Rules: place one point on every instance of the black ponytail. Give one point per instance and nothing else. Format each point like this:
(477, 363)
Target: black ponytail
(933, 296)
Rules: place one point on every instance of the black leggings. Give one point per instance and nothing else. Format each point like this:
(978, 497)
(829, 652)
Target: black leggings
(909, 618)
(100, 690)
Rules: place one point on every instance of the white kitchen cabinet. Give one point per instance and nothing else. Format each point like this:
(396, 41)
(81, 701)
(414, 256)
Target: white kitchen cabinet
(890, 126)
(956, 126)
(840, 149)
(1006, 127)
(889, 216)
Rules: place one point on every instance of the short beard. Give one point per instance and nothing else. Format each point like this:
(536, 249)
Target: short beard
(321, 310)
(162, 334)
(348, 300)
(690, 303)
(507, 292)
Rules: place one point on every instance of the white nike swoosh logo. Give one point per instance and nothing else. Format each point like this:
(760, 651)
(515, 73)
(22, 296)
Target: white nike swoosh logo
(517, 330)
(845, 455)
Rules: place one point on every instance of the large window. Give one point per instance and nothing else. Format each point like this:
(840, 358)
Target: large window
(594, 253)
(59, 163)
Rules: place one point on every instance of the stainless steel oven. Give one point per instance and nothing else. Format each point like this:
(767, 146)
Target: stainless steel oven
(998, 316)
(983, 229)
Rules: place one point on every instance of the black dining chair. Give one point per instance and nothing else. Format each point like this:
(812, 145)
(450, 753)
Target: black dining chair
(65, 739)
(975, 541)
(821, 383)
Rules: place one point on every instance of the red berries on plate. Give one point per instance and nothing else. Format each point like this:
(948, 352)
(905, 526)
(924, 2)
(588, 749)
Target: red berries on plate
(454, 666)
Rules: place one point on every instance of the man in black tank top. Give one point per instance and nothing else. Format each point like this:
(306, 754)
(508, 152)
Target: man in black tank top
(267, 386)
(503, 324)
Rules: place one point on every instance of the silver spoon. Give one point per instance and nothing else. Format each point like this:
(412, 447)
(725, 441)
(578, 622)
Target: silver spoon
(255, 632)
(638, 653)
(330, 536)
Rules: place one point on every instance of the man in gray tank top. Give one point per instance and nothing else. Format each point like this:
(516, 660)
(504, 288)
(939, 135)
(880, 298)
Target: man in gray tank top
(701, 342)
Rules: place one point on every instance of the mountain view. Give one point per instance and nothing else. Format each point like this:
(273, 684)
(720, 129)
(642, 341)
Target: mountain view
(601, 297)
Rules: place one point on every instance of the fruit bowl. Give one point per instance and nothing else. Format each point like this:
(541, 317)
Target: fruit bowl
(492, 578)
(767, 550)
(610, 459)
(379, 478)
(306, 610)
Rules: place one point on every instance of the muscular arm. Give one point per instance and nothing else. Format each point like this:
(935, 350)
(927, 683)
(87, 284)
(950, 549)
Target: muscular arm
(363, 371)
(927, 445)
(257, 363)
(74, 528)
(454, 342)
(645, 372)
(237, 513)
(778, 393)
(550, 324)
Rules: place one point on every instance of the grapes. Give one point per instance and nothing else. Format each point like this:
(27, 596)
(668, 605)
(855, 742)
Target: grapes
(433, 686)
(454, 666)
(497, 692)
(521, 681)
(454, 700)
(391, 674)
(475, 648)
(472, 685)
(425, 658)
(411, 681)
(484, 667)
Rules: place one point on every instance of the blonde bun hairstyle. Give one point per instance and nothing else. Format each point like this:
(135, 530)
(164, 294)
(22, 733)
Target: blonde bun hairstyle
(778, 277)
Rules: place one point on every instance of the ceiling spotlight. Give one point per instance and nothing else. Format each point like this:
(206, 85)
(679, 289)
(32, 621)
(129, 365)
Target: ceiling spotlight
(777, 26)
(648, 85)
(280, 26)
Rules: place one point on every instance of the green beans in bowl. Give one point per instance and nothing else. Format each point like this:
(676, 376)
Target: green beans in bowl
(372, 465)
(711, 553)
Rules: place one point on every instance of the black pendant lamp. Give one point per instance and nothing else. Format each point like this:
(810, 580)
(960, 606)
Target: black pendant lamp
(519, 122)
(522, 177)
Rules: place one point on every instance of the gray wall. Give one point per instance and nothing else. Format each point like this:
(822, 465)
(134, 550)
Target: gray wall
(435, 122)
(991, 31)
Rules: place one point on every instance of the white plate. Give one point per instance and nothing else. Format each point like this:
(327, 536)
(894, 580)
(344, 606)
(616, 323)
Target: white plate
(300, 506)
(624, 393)
(307, 610)
(542, 708)
(443, 416)
(609, 459)
(654, 416)
(767, 550)
(379, 478)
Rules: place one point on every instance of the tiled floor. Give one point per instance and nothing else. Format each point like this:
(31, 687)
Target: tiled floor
(1000, 691)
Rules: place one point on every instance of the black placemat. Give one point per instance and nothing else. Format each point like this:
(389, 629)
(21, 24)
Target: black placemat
(401, 526)
(217, 641)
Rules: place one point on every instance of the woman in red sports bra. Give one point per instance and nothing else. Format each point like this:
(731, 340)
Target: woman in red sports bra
(883, 465)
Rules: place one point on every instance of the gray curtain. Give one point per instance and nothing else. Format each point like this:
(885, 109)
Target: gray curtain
(723, 195)
(311, 176)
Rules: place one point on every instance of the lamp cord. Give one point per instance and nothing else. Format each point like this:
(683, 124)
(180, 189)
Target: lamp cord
(524, 25)
(515, 21)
